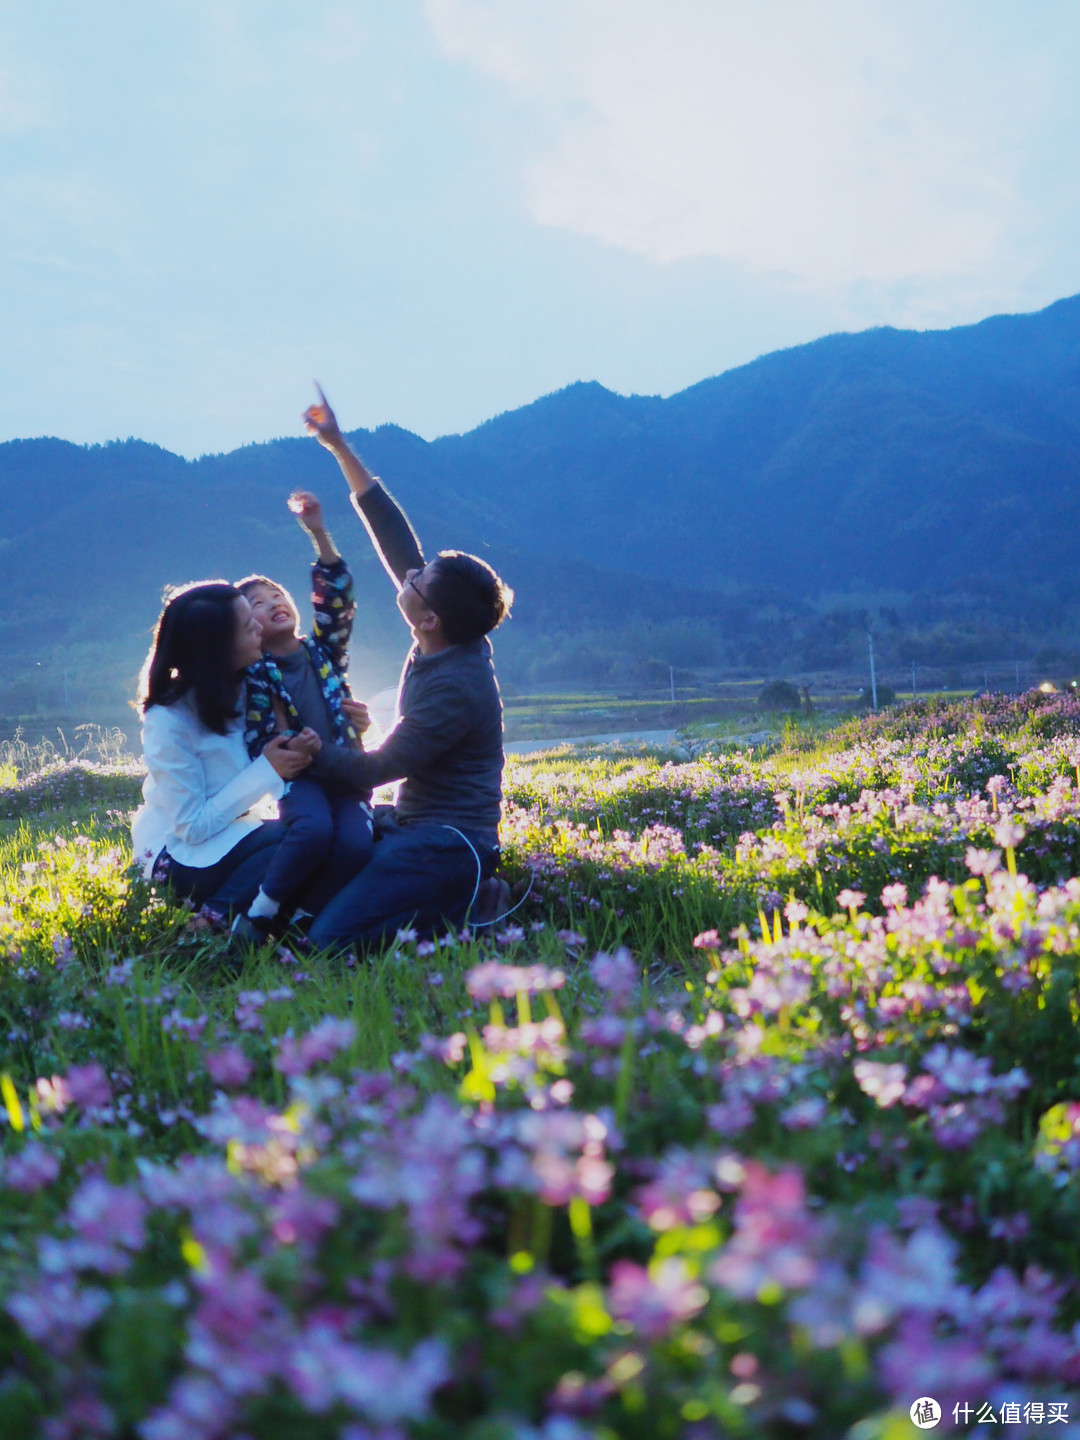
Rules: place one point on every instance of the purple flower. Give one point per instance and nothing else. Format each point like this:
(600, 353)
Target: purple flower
(54, 1311)
(105, 1214)
(197, 1409)
(88, 1086)
(680, 1194)
(654, 1300)
(329, 1038)
(32, 1169)
(617, 975)
(177, 1023)
(229, 1066)
(805, 1114)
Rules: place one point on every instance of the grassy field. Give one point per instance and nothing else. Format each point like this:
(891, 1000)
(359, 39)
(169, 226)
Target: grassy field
(760, 1117)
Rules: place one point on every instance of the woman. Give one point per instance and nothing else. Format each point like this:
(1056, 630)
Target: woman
(197, 829)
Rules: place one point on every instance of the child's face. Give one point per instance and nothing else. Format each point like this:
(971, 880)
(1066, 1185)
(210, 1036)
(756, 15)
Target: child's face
(273, 608)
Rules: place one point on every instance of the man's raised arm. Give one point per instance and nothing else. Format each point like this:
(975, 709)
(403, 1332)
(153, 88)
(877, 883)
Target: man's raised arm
(391, 534)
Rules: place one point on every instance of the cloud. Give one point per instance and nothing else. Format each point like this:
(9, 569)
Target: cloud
(841, 145)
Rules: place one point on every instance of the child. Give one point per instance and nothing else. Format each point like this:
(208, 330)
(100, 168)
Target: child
(300, 683)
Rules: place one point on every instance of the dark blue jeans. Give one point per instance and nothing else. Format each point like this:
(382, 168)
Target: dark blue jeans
(232, 883)
(420, 877)
(327, 840)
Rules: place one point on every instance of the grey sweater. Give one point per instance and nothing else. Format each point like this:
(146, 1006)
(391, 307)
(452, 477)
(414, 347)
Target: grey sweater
(446, 747)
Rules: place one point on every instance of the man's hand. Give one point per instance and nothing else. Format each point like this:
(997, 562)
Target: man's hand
(320, 421)
(288, 763)
(308, 510)
(357, 714)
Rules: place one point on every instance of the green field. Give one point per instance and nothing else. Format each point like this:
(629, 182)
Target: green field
(760, 1117)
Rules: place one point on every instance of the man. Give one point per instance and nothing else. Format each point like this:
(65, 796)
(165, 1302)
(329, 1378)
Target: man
(442, 840)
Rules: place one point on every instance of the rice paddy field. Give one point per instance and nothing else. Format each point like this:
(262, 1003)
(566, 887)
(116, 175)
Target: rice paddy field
(760, 1117)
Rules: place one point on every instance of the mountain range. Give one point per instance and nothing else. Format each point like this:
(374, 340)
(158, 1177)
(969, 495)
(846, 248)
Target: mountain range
(908, 479)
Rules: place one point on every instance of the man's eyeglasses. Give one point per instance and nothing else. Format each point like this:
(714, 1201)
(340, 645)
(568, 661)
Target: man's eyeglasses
(412, 583)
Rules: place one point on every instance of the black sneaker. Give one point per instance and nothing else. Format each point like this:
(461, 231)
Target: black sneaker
(492, 902)
(245, 932)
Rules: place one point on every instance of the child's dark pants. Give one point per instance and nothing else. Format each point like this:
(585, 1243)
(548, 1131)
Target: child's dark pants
(330, 835)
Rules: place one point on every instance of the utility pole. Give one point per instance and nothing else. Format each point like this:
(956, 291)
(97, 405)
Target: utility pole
(873, 670)
(913, 694)
(1018, 674)
(671, 673)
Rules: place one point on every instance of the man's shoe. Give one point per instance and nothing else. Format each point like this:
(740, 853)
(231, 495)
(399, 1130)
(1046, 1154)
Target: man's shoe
(492, 902)
(245, 932)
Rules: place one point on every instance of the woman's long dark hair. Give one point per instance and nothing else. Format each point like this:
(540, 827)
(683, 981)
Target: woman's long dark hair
(193, 649)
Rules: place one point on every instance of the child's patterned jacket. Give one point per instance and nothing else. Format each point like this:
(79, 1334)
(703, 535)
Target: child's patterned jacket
(334, 605)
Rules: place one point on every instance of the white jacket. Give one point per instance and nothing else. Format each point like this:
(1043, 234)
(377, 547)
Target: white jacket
(201, 793)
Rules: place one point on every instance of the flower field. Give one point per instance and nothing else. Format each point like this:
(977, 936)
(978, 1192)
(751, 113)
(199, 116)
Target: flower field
(759, 1118)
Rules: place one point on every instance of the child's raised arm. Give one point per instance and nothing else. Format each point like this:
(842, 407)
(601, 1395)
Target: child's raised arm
(309, 515)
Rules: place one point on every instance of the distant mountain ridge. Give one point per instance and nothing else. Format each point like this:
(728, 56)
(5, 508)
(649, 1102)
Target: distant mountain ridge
(932, 464)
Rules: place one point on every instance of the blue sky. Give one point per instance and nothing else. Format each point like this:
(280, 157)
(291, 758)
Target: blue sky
(444, 210)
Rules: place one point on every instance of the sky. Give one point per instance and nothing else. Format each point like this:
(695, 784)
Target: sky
(444, 210)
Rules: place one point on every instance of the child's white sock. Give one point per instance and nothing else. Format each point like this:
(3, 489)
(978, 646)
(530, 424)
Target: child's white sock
(262, 907)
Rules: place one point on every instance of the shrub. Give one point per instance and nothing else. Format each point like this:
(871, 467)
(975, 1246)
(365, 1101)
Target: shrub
(779, 695)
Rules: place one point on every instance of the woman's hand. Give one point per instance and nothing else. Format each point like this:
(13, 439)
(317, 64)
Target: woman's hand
(288, 763)
(357, 714)
(320, 421)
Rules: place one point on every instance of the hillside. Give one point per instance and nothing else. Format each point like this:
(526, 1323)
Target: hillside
(723, 525)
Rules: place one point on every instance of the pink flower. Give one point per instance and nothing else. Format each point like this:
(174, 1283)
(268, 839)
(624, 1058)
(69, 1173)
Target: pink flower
(1008, 834)
(982, 862)
(894, 897)
(494, 981)
(53, 1095)
(451, 1050)
(774, 1237)
(883, 1083)
(553, 1138)
(851, 899)
(708, 940)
